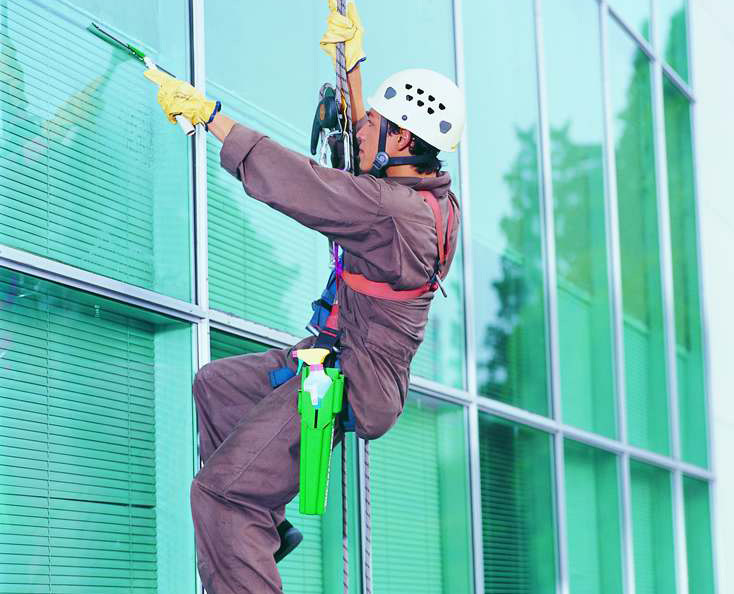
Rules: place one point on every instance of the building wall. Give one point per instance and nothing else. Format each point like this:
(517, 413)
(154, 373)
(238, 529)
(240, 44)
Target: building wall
(713, 38)
(555, 434)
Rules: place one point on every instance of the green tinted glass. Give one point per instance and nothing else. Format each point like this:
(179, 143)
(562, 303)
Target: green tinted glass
(689, 348)
(92, 173)
(509, 298)
(421, 535)
(699, 544)
(673, 33)
(97, 456)
(264, 266)
(573, 72)
(635, 13)
(652, 529)
(644, 350)
(517, 507)
(592, 511)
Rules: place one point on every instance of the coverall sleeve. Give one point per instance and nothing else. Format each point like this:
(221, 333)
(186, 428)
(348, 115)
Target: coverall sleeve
(342, 206)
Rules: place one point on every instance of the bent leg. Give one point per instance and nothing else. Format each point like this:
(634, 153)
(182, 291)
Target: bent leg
(226, 389)
(254, 471)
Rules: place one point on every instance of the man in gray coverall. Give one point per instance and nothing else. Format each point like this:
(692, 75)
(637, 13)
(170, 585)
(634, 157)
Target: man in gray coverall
(249, 432)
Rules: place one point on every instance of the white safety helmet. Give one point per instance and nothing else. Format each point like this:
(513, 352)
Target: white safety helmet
(426, 103)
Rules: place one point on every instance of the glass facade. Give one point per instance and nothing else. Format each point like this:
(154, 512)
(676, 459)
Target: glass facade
(555, 437)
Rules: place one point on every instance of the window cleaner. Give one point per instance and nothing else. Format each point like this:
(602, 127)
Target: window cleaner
(386, 276)
(187, 127)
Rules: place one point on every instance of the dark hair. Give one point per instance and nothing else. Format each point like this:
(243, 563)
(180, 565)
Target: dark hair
(419, 148)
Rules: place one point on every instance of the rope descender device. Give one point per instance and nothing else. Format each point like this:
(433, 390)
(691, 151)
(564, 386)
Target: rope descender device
(329, 136)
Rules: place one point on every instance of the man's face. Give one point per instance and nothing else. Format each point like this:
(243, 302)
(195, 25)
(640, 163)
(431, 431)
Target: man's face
(368, 137)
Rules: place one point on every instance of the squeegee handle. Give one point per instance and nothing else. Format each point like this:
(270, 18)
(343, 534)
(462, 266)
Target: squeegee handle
(187, 127)
(183, 122)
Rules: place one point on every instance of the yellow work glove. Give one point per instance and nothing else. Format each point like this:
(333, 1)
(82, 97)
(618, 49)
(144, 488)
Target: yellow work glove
(347, 28)
(179, 97)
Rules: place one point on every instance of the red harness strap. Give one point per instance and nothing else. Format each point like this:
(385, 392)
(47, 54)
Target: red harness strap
(361, 284)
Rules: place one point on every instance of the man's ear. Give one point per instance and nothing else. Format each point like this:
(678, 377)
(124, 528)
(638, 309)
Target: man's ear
(406, 137)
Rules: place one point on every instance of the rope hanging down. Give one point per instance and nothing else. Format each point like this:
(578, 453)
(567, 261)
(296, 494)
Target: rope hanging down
(343, 98)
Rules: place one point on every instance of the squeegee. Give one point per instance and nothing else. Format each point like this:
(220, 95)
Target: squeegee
(95, 29)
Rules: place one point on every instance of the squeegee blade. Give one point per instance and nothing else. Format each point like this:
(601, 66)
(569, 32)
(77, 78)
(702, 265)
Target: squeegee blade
(95, 29)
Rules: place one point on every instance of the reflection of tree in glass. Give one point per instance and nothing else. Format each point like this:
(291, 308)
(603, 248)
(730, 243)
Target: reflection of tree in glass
(676, 46)
(515, 341)
(636, 194)
(578, 197)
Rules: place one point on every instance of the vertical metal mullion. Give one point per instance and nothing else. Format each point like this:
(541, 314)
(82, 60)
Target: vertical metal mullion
(666, 266)
(710, 450)
(549, 253)
(471, 355)
(615, 283)
(201, 258)
(200, 187)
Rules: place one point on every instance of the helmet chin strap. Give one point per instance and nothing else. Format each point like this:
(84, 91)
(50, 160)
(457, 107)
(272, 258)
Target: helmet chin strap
(383, 161)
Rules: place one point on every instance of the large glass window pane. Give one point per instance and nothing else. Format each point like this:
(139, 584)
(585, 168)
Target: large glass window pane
(652, 529)
(93, 174)
(699, 544)
(673, 33)
(684, 242)
(517, 507)
(509, 300)
(95, 443)
(593, 519)
(573, 72)
(421, 534)
(644, 348)
(257, 268)
(635, 13)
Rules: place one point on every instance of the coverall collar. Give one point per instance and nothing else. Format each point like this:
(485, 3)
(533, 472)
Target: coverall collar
(438, 185)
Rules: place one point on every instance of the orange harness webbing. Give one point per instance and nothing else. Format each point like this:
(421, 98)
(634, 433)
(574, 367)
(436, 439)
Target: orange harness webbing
(361, 284)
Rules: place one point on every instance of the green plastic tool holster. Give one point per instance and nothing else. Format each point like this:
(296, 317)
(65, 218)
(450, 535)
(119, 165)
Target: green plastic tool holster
(317, 433)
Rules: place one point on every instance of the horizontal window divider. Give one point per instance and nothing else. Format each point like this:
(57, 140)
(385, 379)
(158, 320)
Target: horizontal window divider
(232, 324)
(440, 391)
(97, 284)
(525, 417)
(644, 44)
(513, 413)
(678, 82)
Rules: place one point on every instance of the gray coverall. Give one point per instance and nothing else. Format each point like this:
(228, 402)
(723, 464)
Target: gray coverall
(249, 432)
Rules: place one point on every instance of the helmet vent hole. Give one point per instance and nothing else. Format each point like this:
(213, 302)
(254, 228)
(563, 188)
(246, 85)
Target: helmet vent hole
(407, 86)
(420, 103)
(390, 93)
(409, 97)
(441, 106)
(420, 91)
(431, 98)
(430, 110)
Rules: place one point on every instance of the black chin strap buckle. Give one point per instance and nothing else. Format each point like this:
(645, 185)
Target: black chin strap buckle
(379, 164)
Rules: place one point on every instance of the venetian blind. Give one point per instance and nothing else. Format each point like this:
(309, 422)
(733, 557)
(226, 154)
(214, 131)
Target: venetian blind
(77, 445)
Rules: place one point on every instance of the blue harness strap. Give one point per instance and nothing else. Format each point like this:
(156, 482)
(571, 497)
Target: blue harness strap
(322, 306)
(327, 338)
(280, 376)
